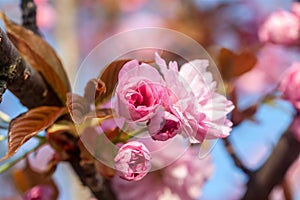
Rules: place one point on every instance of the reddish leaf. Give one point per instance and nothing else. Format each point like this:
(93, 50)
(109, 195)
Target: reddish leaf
(28, 124)
(94, 89)
(40, 55)
(110, 78)
(232, 65)
(78, 107)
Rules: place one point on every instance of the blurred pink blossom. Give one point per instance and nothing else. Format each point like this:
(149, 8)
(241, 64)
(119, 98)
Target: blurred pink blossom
(280, 27)
(293, 176)
(296, 9)
(131, 5)
(133, 161)
(183, 179)
(273, 60)
(38, 193)
(290, 85)
(46, 15)
(277, 193)
(39, 160)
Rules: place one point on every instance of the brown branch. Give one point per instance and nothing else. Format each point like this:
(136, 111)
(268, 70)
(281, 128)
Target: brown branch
(21, 79)
(87, 176)
(235, 158)
(86, 171)
(274, 169)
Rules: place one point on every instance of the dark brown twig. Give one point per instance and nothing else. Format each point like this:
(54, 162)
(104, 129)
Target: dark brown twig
(274, 169)
(28, 8)
(235, 158)
(21, 79)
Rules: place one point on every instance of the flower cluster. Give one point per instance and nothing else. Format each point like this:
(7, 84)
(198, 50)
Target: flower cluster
(169, 101)
(173, 101)
(282, 27)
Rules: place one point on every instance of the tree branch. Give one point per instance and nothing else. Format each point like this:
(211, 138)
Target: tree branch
(235, 158)
(21, 79)
(86, 174)
(274, 169)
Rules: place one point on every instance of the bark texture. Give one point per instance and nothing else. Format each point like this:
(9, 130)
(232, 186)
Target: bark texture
(21, 79)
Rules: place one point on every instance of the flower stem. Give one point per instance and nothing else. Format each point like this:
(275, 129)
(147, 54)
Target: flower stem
(129, 135)
(9, 164)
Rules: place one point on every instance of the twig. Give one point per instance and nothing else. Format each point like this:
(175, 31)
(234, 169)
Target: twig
(28, 8)
(87, 176)
(21, 79)
(274, 169)
(286, 190)
(235, 158)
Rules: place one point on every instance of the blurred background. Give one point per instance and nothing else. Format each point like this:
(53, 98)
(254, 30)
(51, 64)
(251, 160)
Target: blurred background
(75, 27)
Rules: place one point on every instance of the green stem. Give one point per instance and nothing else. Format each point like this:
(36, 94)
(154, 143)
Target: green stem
(129, 135)
(4, 118)
(8, 165)
(2, 138)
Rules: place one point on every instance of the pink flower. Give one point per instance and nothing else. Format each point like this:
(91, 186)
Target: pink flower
(194, 100)
(163, 126)
(131, 5)
(133, 161)
(296, 9)
(39, 193)
(293, 177)
(281, 27)
(183, 179)
(46, 14)
(39, 160)
(273, 60)
(139, 92)
(290, 85)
